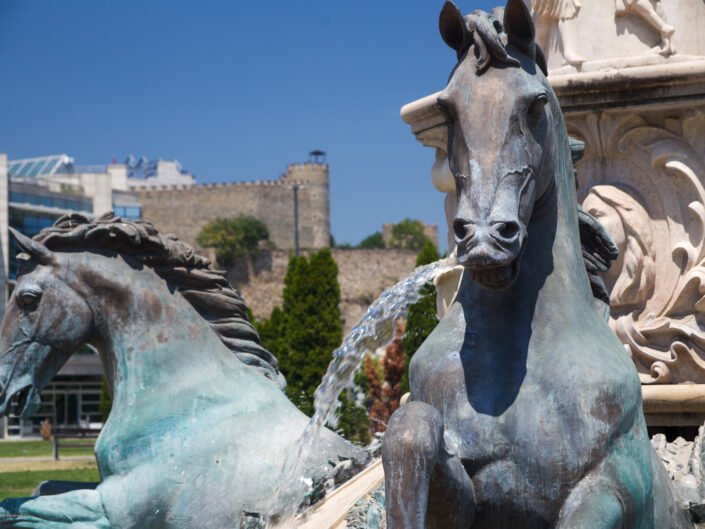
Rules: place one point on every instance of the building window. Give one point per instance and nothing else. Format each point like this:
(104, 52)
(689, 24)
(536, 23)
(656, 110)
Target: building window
(68, 401)
(128, 212)
(59, 202)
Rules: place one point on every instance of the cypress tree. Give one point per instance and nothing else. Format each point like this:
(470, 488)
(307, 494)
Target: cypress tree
(308, 327)
(421, 317)
(305, 331)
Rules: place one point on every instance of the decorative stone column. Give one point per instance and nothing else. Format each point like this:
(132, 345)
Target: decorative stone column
(636, 97)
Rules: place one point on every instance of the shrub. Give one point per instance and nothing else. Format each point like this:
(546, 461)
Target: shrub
(408, 235)
(372, 242)
(233, 237)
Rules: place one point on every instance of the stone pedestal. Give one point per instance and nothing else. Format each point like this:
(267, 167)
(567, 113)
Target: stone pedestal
(640, 109)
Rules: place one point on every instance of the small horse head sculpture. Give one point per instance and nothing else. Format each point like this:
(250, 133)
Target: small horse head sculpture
(39, 335)
(56, 306)
(499, 132)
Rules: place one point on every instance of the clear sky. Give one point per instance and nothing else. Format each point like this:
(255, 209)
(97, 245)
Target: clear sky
(234, 90)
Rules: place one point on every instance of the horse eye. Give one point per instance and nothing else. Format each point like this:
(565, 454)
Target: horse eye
(536, 108)
(28, 300)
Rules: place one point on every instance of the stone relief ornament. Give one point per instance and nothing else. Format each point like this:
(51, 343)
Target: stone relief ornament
(642, 179)
(553, 21)
(582, 37)
(646, 11)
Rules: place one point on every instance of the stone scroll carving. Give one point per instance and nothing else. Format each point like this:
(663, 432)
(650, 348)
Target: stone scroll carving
(643, 178)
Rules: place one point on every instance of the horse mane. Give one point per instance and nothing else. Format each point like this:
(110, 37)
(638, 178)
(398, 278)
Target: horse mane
(488, 40)
(207, 290)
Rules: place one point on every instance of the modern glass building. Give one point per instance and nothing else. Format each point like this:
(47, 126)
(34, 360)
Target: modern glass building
(34, 193)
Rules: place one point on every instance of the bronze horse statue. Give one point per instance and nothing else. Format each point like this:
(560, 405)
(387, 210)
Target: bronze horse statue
(200, 428)
(525, 409)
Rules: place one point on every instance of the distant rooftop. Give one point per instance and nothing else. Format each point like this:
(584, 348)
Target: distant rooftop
(40, 166)
(141, 172)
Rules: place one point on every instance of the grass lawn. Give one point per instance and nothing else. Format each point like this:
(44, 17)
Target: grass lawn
(40, 449)
(21, 484)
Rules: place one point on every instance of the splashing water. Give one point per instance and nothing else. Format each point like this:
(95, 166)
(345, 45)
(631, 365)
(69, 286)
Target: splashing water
(374, 330)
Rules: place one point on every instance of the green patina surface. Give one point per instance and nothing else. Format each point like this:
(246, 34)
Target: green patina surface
(200, 428)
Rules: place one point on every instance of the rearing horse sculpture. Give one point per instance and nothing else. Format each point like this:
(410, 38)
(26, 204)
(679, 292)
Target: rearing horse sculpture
(200, 429)
(525, 410)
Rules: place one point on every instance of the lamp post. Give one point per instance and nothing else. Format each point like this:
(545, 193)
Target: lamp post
(296, 187)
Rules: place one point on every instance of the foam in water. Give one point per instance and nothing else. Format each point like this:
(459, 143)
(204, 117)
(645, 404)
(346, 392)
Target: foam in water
(375, 329)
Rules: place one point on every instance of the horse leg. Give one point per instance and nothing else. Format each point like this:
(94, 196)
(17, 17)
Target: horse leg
(80, 509)
(599, 510)
(597, 503)
(420, 478)
(451, 497)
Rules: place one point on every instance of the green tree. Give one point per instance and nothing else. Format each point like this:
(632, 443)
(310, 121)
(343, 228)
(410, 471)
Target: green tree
(372, 242)
(353, 421)
(306, 330)
(409, 235)
(421, 317)
(273, 331)
(233, 237)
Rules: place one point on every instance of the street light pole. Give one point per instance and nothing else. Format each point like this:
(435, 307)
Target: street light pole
(296, 218)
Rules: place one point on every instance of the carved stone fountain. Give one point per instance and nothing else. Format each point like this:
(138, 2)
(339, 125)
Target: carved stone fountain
(638, 103)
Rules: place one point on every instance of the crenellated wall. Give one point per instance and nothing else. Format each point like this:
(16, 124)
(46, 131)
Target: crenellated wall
(184, 210)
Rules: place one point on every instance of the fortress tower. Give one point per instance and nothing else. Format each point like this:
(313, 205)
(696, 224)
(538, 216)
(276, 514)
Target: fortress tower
(301, 192)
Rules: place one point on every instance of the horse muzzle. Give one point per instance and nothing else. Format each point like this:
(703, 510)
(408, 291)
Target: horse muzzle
(490, 252)
(22, 402)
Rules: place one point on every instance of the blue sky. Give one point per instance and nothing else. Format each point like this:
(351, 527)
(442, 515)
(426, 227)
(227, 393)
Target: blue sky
(235, 90)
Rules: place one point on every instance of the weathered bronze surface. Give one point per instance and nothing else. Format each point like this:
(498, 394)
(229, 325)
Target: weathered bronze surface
(525, 409)
(199, 429)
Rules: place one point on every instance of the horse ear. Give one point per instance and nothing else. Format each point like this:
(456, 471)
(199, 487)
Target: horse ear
(519, 25)
(35, 249)
(453, 29)
(521, 31)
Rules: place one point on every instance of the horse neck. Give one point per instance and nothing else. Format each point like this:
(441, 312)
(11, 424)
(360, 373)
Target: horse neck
(149, 336)
(552, 291)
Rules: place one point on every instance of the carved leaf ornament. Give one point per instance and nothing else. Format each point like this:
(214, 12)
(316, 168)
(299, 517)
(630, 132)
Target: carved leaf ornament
(644, 182)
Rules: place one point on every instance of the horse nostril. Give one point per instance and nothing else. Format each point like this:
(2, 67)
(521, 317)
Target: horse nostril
(462, 229)
(505, 230)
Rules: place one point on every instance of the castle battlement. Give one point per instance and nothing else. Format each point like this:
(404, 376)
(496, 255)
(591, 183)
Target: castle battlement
(185, 209)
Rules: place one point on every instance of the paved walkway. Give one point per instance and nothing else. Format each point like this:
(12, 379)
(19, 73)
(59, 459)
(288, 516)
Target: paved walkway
(24, 464)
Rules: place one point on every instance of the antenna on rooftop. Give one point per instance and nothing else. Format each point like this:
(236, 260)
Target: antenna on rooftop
(317, 156)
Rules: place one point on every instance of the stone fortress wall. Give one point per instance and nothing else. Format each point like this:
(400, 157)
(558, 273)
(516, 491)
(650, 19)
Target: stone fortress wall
(184, 210)
(362, 274)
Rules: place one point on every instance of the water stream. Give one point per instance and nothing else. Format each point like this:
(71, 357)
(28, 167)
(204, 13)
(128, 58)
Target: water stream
(374, 330)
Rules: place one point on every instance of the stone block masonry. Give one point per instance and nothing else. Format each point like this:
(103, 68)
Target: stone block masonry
(362, 274)
(184, 210)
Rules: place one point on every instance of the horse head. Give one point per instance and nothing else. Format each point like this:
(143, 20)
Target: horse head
(500, 112)
(46, 320)
(92, 281)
